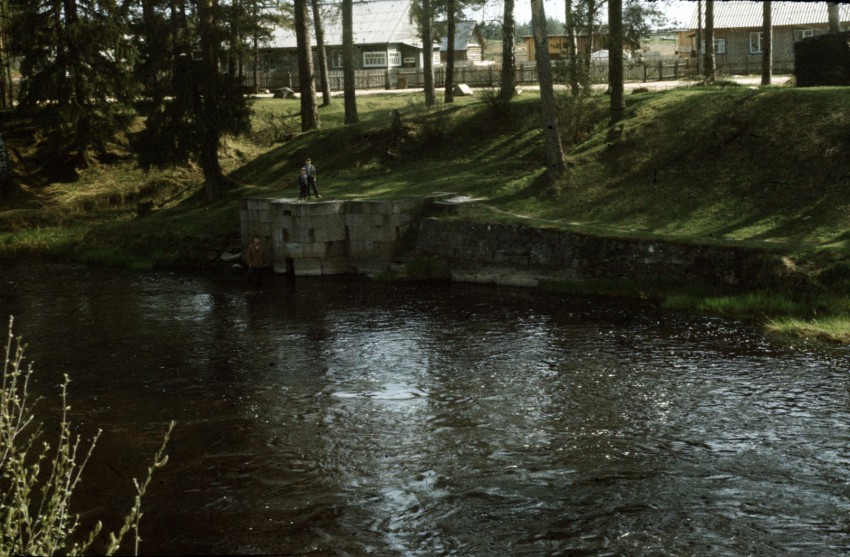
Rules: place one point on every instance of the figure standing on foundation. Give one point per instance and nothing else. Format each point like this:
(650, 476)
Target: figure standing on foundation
(303, 185)
(311, 178)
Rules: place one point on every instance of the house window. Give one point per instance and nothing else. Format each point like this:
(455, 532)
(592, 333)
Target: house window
(800, 34)
(395, 58)
(755, 42)
(719, 46)
(374, 59)
(336, 59)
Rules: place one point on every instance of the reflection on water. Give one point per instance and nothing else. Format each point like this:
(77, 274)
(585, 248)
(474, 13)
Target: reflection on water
(338, 416)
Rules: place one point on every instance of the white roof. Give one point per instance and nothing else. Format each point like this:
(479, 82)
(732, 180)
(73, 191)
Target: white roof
(744, 14)
(373, 21)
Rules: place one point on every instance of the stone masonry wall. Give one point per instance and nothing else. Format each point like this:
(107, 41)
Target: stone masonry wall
(516, 255)
(333, 237)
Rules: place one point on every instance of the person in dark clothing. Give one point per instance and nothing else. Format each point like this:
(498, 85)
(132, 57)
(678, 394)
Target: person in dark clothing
(255, 257)
(303, 185)
(312, 178)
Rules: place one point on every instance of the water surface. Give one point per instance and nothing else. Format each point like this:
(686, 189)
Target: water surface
(340, 416)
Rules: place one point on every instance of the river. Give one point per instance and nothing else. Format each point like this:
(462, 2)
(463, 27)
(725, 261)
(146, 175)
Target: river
(345, 417)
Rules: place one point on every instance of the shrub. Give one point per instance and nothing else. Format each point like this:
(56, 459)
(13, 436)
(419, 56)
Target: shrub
(578, 115)
(37, 480)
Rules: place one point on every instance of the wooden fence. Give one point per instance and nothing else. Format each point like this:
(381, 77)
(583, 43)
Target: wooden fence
(526, 74)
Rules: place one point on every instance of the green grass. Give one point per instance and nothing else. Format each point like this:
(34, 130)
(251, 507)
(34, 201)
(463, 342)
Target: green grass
(832, 329)
(757, 303)
(721, 164)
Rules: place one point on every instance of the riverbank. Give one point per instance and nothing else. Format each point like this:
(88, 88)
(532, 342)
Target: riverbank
(734, 165)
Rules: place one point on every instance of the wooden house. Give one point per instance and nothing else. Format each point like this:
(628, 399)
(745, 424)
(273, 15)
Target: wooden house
(385, 37)
(559, 47)
(738, 36)
(469, 44)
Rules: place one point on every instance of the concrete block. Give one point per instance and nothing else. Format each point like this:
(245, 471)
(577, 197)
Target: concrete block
(408, 205)
(282, 221)
(293, 249)
(337, 248)
(307, 267)
(462, 90)
(295, 234)
(322, 207)
(377, 207)
(359, 249)
(355, 208)
(314, 249)
(327, 228)
(337, 267)
(355, 220)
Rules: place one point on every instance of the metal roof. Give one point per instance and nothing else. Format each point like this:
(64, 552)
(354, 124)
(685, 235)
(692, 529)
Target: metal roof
(374, 22)
(744, 14)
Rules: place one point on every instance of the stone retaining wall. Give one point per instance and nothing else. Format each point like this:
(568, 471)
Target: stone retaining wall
(333, 237)
(522, 256)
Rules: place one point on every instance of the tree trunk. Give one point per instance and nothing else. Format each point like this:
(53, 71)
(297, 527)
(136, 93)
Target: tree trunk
(586, 80)
(7, 184)
(428, 53)
(699, 37)
(834, 17)
(551, 133)
(309, 113)
(178, 29)
(572, 48)
(210, 135)
(322, 54)
(255, 72)
(232, 60)
(6, 93)
(767, 44)
(348, 78)
(615, 60)
(709, 68)
(508, 81)
(78, 98)
(449, 95)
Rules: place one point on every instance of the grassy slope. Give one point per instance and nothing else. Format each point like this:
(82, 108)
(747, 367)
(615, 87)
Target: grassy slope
(766, 166)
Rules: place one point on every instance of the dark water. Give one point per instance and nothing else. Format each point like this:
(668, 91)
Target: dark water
(346, 417)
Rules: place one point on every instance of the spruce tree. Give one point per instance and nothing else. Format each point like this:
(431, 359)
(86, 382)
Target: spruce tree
(193, 104)
(75, 72)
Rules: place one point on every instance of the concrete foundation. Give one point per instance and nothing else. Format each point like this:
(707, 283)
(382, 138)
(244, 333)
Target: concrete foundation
(309, 238)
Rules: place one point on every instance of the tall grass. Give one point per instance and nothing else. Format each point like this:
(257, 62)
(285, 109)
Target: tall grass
(38, 478)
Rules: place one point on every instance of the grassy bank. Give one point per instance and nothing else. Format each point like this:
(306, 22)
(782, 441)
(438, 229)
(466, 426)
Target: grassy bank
(726, 164)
